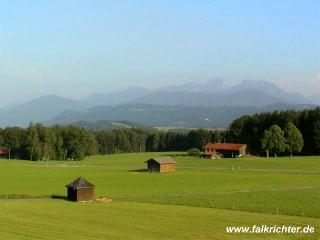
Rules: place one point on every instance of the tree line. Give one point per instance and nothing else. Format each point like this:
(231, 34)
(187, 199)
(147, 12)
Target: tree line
(279, 132)
(43, 143)
(285, 132)
(37, 142)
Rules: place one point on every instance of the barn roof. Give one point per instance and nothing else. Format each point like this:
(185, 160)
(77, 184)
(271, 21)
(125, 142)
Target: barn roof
(162, 160)
(224, 146)
(80, 182)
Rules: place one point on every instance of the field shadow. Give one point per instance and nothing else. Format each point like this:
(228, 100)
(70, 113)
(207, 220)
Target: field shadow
(59, 197)
(138, 170)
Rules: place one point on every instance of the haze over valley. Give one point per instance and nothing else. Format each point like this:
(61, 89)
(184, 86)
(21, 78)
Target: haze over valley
(209, 104)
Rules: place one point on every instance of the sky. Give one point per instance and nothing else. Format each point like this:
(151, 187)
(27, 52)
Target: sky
(75, 48)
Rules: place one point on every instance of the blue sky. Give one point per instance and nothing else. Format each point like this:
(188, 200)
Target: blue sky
(74, 48)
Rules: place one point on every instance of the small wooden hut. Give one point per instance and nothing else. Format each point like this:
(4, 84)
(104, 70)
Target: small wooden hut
(163, 164)
(80, 190)
(226, 149)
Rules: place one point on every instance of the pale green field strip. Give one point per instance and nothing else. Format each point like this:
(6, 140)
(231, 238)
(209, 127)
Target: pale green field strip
(52, 165)
(58, 219)
(297, 203)
(223, 193)
(252, 169)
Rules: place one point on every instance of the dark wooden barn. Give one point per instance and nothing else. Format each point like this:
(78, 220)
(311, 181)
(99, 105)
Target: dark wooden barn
(225, 149)
(163, 164)
(80, 190)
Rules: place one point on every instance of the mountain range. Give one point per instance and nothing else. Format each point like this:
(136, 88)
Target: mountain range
(170, 104)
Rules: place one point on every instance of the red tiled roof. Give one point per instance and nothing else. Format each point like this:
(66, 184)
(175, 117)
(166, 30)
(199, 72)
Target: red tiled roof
(224, 146)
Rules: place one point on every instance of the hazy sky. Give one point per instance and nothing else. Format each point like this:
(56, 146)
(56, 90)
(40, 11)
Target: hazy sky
(74, 48)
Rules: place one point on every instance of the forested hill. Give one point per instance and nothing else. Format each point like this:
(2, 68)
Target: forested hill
(167, 116)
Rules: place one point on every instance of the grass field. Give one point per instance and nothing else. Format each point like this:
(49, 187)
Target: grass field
(196, 202)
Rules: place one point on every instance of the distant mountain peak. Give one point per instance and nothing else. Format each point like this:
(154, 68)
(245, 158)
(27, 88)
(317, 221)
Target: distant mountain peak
(134, 88)
(271, 89)
(257, 84)
(210, 86)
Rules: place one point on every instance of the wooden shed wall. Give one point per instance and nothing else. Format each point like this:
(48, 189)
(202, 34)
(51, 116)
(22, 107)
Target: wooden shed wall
(82, 194)
(85, 194)
(153, 166)
(167, 167)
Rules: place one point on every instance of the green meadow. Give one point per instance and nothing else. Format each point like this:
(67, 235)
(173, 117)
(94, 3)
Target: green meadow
(196, 202)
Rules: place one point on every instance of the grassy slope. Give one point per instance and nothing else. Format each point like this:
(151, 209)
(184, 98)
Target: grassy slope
(289, 186)
(112, 174)
(265, 185)
(57, 219)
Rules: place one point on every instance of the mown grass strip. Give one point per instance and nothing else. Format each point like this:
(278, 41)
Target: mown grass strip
(252, 201)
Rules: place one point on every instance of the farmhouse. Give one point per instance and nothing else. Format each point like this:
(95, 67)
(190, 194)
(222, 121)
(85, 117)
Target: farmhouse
(224, 150)
(80, 190)
(163, 164)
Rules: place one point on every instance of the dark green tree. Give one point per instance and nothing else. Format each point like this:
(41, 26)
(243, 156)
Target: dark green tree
(152, 142)
(74, 142)
(273, 140)
(316, 136)
(294, 139)
(32, 143)
(13, 139)
(193, 152)
(198, 138)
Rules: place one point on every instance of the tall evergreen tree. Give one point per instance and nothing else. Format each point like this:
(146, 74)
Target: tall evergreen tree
(316, 136)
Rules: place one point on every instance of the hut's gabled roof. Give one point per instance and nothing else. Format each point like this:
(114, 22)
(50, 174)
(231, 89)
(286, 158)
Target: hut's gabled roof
(162, 160)
(80, 182)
